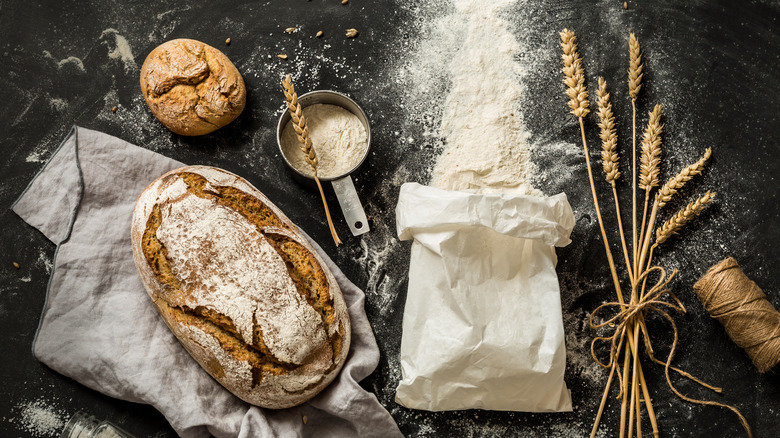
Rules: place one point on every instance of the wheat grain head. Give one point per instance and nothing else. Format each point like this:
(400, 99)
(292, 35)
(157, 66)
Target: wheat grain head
(299, 122)
(609, 155)
(675, 184)
(682, 217)
(635, 66)
(574, 74)
(650, 161)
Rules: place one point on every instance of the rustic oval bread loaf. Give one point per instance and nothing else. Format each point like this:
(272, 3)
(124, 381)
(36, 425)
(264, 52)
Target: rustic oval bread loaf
(191, 87)
(239, 286)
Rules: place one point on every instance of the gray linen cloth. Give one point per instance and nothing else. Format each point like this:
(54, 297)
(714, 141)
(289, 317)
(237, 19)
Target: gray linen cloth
(99, 327)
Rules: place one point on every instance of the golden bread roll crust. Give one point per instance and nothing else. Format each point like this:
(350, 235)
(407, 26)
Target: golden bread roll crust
(191, 87)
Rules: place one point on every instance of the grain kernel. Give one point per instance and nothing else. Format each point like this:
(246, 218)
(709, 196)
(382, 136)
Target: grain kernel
(319, 33)
(16, 265)
(282, 56)
(227, 42)
(352, 33)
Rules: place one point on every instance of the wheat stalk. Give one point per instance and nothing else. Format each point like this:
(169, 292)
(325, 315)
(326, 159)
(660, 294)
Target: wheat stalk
(302, 131)
(635, 324)
(574, 75)
(299, 123)
(634, 85)
(682, 217)
(609, 155)
(635, 67)
(610, 158)
(675, 184)
(574, 78)
(649, 170)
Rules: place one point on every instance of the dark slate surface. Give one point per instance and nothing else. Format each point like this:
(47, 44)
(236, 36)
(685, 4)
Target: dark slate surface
(714, 65)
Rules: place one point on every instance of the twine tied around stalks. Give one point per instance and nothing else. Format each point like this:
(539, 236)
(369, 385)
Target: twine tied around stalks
(635, 313)
(742, 307)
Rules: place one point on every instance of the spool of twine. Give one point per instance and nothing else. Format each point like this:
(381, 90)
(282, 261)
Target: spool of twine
(741, 306)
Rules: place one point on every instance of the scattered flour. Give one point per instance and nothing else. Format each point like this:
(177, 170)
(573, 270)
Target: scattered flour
(121, 49)
(69, 60)
(486, 142)
(58, 104)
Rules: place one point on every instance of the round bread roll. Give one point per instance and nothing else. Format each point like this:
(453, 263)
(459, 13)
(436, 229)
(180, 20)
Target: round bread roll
(191, 87)
(239, 285)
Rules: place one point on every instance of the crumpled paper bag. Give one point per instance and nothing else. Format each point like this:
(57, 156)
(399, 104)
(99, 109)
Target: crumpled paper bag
(100, 328)
(482, 325)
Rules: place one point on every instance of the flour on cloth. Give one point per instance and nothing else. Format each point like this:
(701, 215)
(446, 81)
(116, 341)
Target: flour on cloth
(100, 328)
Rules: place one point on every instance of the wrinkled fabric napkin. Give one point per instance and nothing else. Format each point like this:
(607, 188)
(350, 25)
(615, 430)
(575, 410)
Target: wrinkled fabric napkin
(99, 326)
(482, 326)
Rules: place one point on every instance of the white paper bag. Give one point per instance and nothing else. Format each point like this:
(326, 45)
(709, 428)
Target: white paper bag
(482, 324)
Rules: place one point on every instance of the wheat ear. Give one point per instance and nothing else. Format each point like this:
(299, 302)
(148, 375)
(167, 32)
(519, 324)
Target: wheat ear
(574, 78)
(609, 155)
(649, 170)
(675, 184)
(671, 227)
(635, 66)
(634, 85)
(682, 217)
(302, 131)
(574, 74)
(610, 158)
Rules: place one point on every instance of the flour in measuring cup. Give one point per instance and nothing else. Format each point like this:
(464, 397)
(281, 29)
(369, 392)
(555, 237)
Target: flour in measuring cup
(338, 137)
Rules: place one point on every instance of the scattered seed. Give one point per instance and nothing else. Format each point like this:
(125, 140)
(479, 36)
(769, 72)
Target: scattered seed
(319, 33)
(352, 33)
(282, 56)
(113, 110)
(344, 2)
(290, 30)
(304, 419)
(227, 42)
(16, 265)
(625, 5)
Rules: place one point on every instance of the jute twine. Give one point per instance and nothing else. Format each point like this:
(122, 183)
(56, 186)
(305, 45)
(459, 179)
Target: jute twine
(741, 306)
(652, 302)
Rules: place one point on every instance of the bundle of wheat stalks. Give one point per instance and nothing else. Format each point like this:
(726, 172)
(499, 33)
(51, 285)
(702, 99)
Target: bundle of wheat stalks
(630, 312)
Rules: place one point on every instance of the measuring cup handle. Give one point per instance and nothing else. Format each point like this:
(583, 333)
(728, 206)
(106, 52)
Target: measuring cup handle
(350, 205)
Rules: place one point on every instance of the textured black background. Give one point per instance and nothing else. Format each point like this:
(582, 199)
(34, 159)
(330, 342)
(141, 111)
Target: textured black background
(714, 65)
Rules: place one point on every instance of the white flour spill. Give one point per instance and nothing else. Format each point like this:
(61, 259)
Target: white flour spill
(58, 104)
(121, 50)
(486, 142)
(76, 62)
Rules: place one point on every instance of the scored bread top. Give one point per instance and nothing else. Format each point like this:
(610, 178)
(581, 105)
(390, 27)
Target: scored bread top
(239, 286)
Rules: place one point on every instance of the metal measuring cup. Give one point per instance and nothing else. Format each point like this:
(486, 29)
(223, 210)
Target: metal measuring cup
(342, 184)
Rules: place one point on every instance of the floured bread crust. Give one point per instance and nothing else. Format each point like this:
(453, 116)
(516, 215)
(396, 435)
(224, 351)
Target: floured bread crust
(239, 286)
(191, 87)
